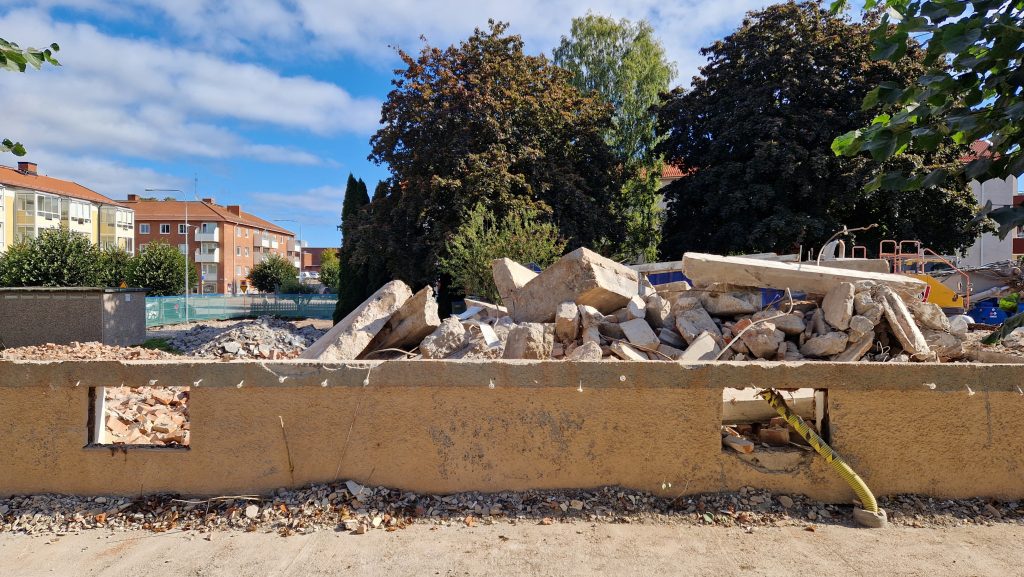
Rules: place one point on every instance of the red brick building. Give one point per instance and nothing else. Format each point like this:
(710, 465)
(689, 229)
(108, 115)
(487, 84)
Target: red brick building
(224, 241)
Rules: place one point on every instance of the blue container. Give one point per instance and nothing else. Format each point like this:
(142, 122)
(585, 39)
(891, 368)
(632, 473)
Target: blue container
(988, 314)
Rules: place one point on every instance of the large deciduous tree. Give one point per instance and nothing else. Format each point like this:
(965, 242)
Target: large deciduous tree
(625, 64)
(482, 122)
(972, 89)
(161, 268)
(56, 258)
(755, 132)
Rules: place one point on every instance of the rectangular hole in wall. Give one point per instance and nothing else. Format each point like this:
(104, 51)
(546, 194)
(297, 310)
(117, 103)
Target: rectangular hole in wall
(753, 431)
(139, 417)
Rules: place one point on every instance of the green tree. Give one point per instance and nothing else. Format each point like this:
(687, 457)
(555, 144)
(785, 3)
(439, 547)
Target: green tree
(114, 263)
(625, 64)
(161, 268)
(483, 122)
(329, 270)
(970, 90)
(17, 59)
(56, 258)
(519, 236)
(273, 273)
(756, 132)
(351, 285)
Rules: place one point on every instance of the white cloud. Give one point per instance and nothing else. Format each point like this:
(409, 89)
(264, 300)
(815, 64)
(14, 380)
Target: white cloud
(103, 175)
(317, 208)
(142, 99)
(366, 28)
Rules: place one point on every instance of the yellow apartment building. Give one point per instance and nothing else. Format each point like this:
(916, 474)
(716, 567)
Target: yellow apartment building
(31, 202)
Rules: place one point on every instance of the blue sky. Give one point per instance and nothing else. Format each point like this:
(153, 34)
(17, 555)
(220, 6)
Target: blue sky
(270, 103)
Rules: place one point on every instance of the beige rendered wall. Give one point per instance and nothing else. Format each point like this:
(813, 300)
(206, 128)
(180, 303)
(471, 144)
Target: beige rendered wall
(7, 216)
(440, 427)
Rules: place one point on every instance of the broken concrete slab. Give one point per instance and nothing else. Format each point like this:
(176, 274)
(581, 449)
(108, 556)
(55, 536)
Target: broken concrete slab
(928, 315)
(491, 310)
(691, 323)
(638, 332)
(762, 340)
(409, 325)
(588, 351)
(703, 348)
(728, 304)
(636, 308)
(509, 278)
(530, 341)
(860, 327)
(706, 269)
(902, 323)
(825, 345)
(670, 352)
(627, 353)
(448, 338)
(947, 346)
(350, 337)
(671, 338)
(790, 324)
(837, 305)
(855, 350)
(659, 312)
(582, 276)
(611, 330)
(567, 322)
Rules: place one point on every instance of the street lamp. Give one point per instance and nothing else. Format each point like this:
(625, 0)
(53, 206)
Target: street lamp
(186, 241)
(298, 240)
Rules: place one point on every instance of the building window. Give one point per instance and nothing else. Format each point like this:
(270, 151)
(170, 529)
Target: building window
(246, 233)
(165, 228)
(238, 232)
(246, 269)
(246, 251)
(238, 271)
(144, 228)
(238, 251)
(183, 248)
(48, 207)
(182, 229)
(142, 247)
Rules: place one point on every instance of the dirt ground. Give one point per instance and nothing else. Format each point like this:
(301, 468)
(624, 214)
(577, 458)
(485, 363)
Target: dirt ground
(527, 549)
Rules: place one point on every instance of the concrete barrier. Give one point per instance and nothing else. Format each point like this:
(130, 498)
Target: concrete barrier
(442, 426)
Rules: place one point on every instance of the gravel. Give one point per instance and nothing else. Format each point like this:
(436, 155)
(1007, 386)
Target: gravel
(262, 338)
(82, 352)
(351, 507)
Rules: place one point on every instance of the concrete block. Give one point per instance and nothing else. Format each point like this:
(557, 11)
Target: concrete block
(825, 345)
(410, 324)
(582, 276)
(350, 337)
(627, 353)
(530, 341)
(671, 338)
(447, 339)
(703, 348)
(838, 305)
(691, 323)
(638, 332)
(659, 312)
(567, 322)
(509, 277)
(588, 351)
(902, 323)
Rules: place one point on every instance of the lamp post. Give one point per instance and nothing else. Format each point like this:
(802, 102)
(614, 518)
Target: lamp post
(186, 241)
(298, 241)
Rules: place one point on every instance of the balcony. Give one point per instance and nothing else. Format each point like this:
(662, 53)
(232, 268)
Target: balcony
(208, 276)
(209, 234)
(265, 242)
(207, 255)
(296, 263)
(295, 245)
(273, 244)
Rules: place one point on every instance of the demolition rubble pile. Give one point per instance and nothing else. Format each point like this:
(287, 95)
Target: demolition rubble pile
(587, 308)
(146, 415)
(262, 338)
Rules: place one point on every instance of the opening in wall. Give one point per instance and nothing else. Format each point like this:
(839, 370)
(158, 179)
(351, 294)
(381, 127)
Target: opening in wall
(753, 431)
(139, 417)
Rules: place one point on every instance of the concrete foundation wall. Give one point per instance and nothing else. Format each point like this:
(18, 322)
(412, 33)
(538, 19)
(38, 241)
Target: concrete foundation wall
(440, 427)
(35, 316)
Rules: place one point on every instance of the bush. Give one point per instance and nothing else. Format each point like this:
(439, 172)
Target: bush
(160, 268)
(56, 258)
(274, 272)
(114, 263)
(481, 239)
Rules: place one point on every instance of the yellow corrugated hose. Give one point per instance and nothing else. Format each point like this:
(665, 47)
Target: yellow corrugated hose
(867, 498)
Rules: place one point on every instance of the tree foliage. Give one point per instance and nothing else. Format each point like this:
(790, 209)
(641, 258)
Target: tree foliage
(17, 59)
(330, 270)
(971, 90)
(56, 258)
(755, 134)
(483, 122)
(114, 263)
(351, 283)
(272, 274)
(160, 267)
(482, 238)
(623, 63)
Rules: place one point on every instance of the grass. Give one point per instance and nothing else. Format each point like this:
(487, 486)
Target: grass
(160, 344)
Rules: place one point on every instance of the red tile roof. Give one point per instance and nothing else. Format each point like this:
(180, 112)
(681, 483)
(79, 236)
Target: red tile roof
(14, 177)
(199, 211)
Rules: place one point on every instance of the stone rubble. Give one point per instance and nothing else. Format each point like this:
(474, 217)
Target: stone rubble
(585, 298)
(262, 338)
(357, 509)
